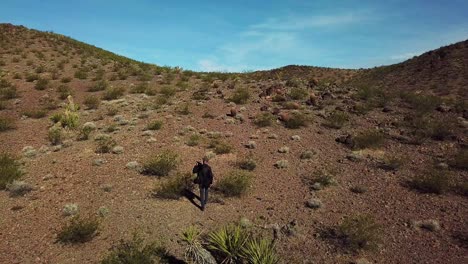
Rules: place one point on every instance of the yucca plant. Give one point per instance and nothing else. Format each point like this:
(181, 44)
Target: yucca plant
(229, 241)
(260, 251)
(195, 253)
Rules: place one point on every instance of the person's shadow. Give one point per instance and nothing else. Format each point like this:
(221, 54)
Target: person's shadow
(191, 197)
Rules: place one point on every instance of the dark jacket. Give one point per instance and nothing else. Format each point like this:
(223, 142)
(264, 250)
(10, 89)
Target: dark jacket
(204, 175)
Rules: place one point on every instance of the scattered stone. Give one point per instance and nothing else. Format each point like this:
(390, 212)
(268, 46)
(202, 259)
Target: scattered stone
(387, 109)
(354, 156)
(346, 139)
(147, 133)
(282, 164)
(314, 203)
(243, 109)
(272, 136)
(70, 209)
(133, 165)
(119, 118)
(251, 144)
(98, 162)
(117, 150)
(151, 140)
(56, 148)
(254, 136)
(442, 165)
(296, 137)
(443, 108)
(29, 152)
(316, 186)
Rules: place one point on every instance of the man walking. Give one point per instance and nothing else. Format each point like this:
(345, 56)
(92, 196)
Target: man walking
(204, 180)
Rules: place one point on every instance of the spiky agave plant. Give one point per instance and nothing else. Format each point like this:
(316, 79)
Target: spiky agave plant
(195, 253)
(260, 251)
(228, 241)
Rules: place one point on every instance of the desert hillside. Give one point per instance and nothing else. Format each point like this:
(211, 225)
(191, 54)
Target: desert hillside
(321, 165)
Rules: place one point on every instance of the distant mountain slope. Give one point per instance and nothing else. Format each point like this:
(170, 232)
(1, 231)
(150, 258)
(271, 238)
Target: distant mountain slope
(443, 71)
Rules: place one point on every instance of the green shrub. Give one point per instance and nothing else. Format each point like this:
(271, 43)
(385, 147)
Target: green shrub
(441, 129)
(140, 88)
(294, 82)
(360, 232)
(92, 102)
(161, 164)
(167, 91)
(184, 110)
(220, 147)
(247, 164)
(459, 161)
(31, 77)
(174, 187)
(64, 91)
(296, 120)
(6, 123)
(99, 86)
(41, 84)
(85, 131)
(78, 230)
(9, 93)
(55, 134)
(235, 183)
(194, 252)
(105, 143)
(3, 105)
(298, 93)
(260, 251)
(194, 140)
(135, 251)
(113, 93)
(368, 139)
(66, 79)
(240, 96)
(337, 119)
(35, 113)
(229, 242)
(154, 125)
(391, 163)
(10, 170)
(81, 74)
(433, 181)
(264, 120)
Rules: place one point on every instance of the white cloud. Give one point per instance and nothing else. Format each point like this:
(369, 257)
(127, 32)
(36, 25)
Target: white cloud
(301, 23)
(405, 56)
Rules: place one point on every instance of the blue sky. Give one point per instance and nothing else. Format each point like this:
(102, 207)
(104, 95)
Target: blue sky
(251, 35)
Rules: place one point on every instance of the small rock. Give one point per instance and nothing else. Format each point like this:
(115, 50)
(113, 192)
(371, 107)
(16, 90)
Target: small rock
(251, 145)
(133, 165)
(316, 186)
(151, 140)
(98, 162)
(308, 154)
(56, 148)
(273, 136)
(283, 149)
(147, 133)
(314, 203)
(282, 164)
(296, 137)
(354, 156)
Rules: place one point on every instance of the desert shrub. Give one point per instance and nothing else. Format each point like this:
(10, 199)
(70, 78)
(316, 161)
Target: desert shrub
(194, 252)
(208, 115)
(78, 230)
(18, 188)
(17, 76)
(9, 93)
(298, 93)
(40, 69)
(167, 90)
(368, 139)
(35, 113)
(360, 232)
(228, 242)
(184, 110)
(337, 119)
(459, 161)
(112, 111)
(441, 129)
(260, 251)
(174, 187)
(66, 79)
(3, 105)
(112, 93)
(64, 91)
(194, 140)
(55, 134)
(200, 95)
(161, 164)
(220, 147)
(296, 120)
(41, 84)
(81, 74)
(92, 102)
(154, 125)
(111, 128)
(70, 117)
(291, 105)
(4, 83)
(100, 85)
(6, 123)
(433, 181)
(10, 170)
(105, 143)
(31, 77)
(240, 96)
(278, 98)
(247, 164)
(421, 103)
(235, 183)
(294, 82)
(264, 120)
(85, 131)
(390, 163)
(135, 251)
(140, 88)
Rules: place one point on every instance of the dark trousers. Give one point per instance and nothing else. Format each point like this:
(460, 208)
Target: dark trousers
(203, 195)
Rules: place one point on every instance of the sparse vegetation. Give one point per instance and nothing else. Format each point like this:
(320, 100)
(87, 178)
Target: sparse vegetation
(55, 134)
(298, 93)
(135, 251)
(220, 147)
(6, 123)
(433, 181)
(247, 164)
(229, 241)
(105, 143)
(99, 86)
(368, 139)
(260, 251)
(10, 170)
(161, 164)
(64, 91)
(235, 183)
(337, 119)
(264, 120)
(92, 102)
(154, 125)
(174, 187)
(459, 161)
(296, 120)
(194, 140)
(240, 96)
(360, 232)
(41, 84)
(112, 93)
(78, 230)
(167, 91)
(35, 113)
